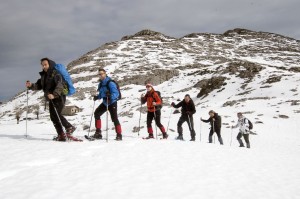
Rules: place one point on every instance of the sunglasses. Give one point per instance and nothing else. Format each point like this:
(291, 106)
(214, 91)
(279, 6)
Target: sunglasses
(148, 86)
(101, 73)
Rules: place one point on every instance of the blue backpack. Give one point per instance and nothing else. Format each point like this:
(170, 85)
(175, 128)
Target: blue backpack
(69, 90)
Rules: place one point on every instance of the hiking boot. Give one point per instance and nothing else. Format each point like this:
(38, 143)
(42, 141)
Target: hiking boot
(119, 137)
(220, 140)
(150, 136)
(193, 135)
(248, 145)
(241, 143)
(61, 137)
(165, 136)
(97, 135)
(70, 130)
(180, 137)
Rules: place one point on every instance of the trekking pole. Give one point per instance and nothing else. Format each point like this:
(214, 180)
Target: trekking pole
(231, 137)
(59, 119)
(140, 119)
(200, 129)
(91, 119)
(107, 119)
(155, 123)
(189, 123)
(214, 130)
(169, 119)
(26, 112)
(191, 127)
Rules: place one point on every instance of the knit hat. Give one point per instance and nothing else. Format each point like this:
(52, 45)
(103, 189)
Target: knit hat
(149, 85)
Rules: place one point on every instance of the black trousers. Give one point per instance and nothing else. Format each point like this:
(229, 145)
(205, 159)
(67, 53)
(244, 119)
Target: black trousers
(113, 110)
(59, 104)
(218, 132)
(156, 116)
(190, 122)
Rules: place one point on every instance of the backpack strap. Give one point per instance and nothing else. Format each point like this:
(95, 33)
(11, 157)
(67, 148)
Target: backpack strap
(152, 95)
(107, 83)
(245, 121)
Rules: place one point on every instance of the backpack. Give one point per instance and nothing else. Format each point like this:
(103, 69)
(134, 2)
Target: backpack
(220, 121)
(118, 87)
(250, 124)
(69, 89)
(159, 95)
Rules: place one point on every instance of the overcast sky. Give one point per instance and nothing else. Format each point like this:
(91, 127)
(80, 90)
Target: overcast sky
(63, 30)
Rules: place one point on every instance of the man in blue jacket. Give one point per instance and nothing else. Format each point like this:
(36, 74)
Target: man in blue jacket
(108, 91)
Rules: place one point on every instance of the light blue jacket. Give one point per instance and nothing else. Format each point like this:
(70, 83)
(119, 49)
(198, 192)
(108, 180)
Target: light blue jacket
(113, 90)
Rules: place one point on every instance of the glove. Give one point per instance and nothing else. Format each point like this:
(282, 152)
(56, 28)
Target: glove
(108, 94)
(189, 113)
(172, 104)
(95, 98)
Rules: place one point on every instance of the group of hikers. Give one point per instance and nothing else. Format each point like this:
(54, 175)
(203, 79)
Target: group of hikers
(53, 84)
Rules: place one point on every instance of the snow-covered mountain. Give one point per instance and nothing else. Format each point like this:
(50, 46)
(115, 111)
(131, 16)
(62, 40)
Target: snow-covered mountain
(227, 72)
(256, 73)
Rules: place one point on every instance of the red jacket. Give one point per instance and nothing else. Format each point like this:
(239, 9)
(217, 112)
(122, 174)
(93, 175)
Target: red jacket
(151, 97)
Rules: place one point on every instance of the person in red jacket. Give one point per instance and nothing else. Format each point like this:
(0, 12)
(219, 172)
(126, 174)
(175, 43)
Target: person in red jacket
(154, 105)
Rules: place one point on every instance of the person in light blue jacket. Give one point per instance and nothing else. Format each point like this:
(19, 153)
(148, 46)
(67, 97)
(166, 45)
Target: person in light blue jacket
(110, 94)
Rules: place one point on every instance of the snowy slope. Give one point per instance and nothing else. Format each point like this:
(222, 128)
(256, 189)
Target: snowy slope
(37, 167)
(40, 168)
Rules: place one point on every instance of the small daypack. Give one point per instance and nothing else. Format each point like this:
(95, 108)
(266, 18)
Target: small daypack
(159, 95)
(219, 121)
(250, 123)
(118, 87)
(69, 89)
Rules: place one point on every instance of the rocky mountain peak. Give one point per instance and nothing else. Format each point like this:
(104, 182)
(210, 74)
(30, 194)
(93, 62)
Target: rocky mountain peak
(150, 34)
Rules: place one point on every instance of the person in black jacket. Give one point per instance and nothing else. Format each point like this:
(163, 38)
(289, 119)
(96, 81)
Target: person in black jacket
(216, 123)
(187, 110)
(51, 82)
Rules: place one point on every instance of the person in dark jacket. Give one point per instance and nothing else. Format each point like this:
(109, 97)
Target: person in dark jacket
(52, 83)
(154, 105)
(109, 93)
(216, 123)
(187, 110)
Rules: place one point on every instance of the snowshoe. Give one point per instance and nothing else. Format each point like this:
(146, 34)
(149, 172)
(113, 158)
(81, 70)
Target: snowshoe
(72, 138)
(89, 138)
(150, 136)
(180, 137)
